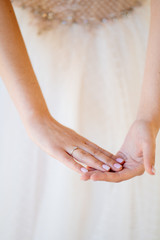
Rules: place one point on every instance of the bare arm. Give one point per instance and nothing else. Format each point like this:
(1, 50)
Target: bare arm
(16, 69)
(20, 80)
(149, 108)
(139, 145)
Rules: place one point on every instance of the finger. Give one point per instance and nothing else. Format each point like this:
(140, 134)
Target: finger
(110, 176)
(105, 152)
(86, 176)
(85, 157)
(71, 163)
(123, 175)
(114, 165)
(149, 157)
(102, 176)
(120, 155)
(90, 168)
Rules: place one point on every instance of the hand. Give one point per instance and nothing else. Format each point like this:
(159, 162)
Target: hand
(138, 150)
(58, 141)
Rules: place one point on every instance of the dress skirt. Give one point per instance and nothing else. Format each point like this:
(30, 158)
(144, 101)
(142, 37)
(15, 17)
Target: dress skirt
(91, 80)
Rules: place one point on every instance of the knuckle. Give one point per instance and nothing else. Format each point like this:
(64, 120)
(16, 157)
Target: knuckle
(108, 154)
(94, 146)
(81, 151)
(98, 153)
(110, 161)
(85, 142)
(98, 148)
(84, 155)
(95, 152)
(111, 155)
(93, 161)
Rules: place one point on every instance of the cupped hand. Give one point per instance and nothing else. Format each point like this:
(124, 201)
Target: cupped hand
(138, 151)
(59, 141)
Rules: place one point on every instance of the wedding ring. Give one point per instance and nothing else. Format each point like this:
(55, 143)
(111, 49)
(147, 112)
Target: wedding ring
(73, 150)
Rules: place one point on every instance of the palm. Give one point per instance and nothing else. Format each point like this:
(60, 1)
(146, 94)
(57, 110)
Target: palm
(132, 167)
(139, 141)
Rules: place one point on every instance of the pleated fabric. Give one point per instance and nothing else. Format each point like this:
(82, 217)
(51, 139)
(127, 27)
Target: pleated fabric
(91, 81)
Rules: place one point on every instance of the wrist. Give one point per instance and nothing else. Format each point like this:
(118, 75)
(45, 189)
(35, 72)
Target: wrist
(36, 118)
(152, 123)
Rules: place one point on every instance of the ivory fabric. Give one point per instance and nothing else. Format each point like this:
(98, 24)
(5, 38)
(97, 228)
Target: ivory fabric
(91, 81)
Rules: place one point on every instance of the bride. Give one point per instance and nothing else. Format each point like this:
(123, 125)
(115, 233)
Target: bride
(71, 81)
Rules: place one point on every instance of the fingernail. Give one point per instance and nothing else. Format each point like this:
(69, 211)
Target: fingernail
(120, 160)
(117, 165)
(153, 169)
(84, 170)
(105, 167)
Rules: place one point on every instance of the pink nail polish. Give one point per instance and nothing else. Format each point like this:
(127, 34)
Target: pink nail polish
(117, 165)
(105, 167)
(84, 170)
(120, 160)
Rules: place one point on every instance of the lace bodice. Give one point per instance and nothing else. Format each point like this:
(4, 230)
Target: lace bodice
(47, 13)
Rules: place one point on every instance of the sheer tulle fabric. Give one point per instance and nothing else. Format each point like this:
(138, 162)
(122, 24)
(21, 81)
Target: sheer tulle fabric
(91, 82)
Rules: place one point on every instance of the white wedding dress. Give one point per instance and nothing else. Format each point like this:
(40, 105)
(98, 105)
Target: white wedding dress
(91, 82)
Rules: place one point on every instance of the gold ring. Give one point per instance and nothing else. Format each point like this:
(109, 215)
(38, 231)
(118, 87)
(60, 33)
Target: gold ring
(73, 150)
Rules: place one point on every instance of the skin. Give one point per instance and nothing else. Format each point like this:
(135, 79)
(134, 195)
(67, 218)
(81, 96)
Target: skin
(19, 78)
(139, 146)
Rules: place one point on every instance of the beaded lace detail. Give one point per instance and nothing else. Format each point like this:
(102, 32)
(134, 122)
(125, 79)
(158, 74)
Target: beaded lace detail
(48, 13)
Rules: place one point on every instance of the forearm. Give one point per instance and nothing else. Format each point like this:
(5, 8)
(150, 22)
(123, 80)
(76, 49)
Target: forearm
(149, 107)
(16, 69)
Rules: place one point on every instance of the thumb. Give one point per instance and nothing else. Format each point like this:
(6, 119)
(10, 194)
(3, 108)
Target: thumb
(149, 157)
